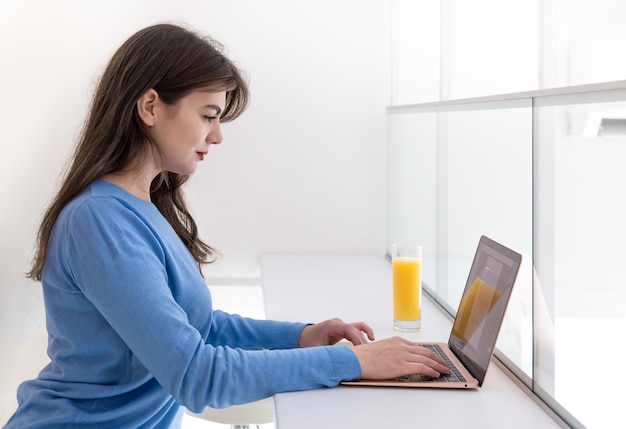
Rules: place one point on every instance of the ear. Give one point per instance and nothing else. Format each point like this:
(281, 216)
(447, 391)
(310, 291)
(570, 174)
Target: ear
(146, 106)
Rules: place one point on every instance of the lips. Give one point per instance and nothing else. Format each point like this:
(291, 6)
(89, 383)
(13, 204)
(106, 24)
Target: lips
(201, 155)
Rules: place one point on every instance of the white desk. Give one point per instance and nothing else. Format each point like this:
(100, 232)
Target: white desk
(313, 288)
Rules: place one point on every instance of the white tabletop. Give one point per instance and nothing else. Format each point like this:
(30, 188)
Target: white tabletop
(313, 288)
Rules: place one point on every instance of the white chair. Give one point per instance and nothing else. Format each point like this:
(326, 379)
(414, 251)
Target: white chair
(240, 416)
(30, 358)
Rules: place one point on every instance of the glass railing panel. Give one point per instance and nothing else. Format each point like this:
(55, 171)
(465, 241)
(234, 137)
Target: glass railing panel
(580, 153)
(485, 188)
(456, 173)
(412, 193)
(542, 173)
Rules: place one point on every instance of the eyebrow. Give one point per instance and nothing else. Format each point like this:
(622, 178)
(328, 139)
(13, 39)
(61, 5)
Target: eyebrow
(218, 109)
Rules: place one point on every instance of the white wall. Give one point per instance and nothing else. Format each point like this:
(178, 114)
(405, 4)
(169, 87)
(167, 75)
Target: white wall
(302, 170)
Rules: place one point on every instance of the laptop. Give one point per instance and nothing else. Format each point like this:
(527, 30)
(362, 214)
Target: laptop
(477, 323)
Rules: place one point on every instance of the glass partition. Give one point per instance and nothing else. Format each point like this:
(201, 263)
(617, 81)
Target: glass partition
(486, 189)
(456, 173)
(412, 185)
(542, 173)
(580, 209)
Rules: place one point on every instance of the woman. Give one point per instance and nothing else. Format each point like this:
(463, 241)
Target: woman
(132, 333)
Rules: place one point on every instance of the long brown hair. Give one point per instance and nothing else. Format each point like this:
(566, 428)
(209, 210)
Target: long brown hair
(173, 61)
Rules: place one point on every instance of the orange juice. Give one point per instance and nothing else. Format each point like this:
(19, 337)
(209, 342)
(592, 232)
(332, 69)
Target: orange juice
(407, 288)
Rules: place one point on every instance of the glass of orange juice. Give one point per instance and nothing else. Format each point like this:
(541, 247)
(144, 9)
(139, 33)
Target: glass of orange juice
(406, 266)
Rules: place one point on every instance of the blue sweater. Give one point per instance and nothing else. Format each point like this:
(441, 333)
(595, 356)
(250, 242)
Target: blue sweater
(132, 332)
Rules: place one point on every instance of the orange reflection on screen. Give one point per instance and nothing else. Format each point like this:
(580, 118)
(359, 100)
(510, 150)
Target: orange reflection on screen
(474, 308)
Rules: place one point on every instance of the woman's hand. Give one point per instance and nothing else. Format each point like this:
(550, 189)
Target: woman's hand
(332, 331)
(396, 357)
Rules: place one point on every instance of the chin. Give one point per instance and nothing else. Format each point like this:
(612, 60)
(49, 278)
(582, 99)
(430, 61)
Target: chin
(184, 171)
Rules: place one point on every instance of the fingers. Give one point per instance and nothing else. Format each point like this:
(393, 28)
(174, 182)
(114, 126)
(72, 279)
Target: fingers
(357, 331)
(355, 336)
(334, 330)
(432, 364)
(395, 357)
(429, 354)
(427, 366)
(364, 327)
(354, 332)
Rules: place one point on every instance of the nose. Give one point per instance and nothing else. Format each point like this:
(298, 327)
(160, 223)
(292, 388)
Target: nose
(215, 133)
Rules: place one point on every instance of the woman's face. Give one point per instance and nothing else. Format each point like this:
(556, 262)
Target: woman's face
(184, 132)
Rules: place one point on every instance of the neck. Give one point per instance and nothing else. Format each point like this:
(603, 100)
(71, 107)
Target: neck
(137, 184)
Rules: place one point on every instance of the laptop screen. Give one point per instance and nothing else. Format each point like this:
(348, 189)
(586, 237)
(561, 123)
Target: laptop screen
(484, 301)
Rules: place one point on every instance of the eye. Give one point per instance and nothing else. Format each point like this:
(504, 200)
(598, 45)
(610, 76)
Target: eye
(209, 119)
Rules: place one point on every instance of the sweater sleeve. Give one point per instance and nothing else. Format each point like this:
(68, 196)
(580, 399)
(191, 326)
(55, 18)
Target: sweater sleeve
(119, 264)
(252, 334)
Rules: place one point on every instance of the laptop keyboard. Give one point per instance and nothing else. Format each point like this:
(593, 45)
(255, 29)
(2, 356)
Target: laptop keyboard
(454, 376)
